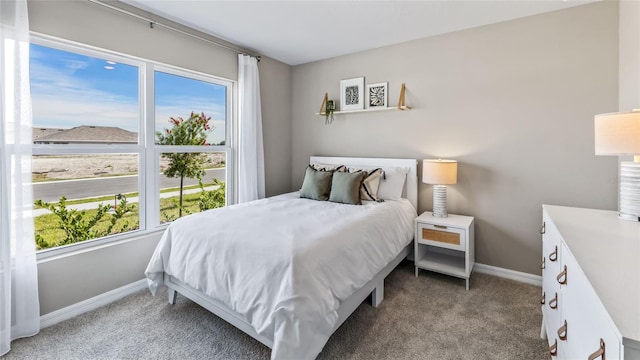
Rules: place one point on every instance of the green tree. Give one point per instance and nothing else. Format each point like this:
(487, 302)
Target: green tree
(192, 131)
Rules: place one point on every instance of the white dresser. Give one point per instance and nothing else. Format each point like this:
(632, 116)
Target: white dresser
(590, 284)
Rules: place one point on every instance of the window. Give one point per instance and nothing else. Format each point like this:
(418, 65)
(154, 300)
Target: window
(192, 157)
(109, 159)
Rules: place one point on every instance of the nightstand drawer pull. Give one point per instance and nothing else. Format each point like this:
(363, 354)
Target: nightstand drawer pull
(452, 238)
(599, 352)
(554, 255)
(553, 349)
(543, 228)
(562, 332)
(440, 226)
(544, 263)
(543, 298)
(553, 303)
(562, 277)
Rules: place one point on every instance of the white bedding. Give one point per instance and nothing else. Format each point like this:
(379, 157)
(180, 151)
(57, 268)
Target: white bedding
(284, 263)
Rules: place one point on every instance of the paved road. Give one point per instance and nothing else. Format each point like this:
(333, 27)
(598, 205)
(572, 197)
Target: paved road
(83, 188)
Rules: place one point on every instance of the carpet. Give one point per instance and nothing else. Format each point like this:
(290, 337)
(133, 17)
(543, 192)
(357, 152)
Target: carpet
(428, 317)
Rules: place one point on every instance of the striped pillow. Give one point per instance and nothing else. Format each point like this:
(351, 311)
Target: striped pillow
(370, 184)
(328, 167)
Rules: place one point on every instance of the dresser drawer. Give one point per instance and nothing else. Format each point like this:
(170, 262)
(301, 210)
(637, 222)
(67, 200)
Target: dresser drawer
(551, 300)
(589, 326)
(442, 236)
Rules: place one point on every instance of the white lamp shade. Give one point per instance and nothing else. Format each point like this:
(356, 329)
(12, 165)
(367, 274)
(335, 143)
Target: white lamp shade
(618, 133)
(439, 172)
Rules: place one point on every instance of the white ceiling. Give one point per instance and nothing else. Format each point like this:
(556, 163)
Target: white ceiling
(297, 32)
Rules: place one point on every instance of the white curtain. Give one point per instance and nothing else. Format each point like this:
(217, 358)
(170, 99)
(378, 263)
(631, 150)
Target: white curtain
(19, 305)
(250, 148)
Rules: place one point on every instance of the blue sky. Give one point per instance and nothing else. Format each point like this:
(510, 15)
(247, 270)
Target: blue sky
(70, 90)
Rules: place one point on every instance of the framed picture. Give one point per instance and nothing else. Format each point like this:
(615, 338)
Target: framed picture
(352, 94)
(377, 95)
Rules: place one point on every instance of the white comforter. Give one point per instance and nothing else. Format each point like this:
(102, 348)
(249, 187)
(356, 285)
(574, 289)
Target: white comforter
(284, 263)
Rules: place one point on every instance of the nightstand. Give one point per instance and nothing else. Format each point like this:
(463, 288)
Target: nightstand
(445, 245)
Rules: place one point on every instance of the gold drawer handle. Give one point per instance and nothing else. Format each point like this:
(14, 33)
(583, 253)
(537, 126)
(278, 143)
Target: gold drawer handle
(439, 226)
(562, 277)
(544, 263)
(562, 332)
(553, 349)
(599, 352)
(554, 255)
(543, 228)
(553, 303)
(542, 299)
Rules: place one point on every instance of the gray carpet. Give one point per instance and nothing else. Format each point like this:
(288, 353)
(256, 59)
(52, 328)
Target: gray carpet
(429, 317)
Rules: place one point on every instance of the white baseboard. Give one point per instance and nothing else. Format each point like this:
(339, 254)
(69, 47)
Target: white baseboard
(508, 274)
(93, 303)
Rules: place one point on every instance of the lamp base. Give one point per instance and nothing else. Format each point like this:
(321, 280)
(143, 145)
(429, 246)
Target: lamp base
(440, 201)
(629, 191)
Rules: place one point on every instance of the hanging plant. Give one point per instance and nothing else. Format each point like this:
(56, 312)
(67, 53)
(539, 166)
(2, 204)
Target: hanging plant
(328, 112)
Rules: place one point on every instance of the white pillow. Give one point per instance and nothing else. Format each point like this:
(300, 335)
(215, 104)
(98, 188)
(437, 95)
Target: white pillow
(392, 183)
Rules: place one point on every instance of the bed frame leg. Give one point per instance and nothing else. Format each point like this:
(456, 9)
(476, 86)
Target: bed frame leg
(172, 296)
(378, 294)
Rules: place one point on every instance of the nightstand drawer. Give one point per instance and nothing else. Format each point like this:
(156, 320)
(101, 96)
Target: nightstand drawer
(442, 236)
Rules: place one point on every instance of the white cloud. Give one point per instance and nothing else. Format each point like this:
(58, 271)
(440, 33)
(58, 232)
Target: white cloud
(183, 106)
(65, 112)
(60, 100)
(74, 65)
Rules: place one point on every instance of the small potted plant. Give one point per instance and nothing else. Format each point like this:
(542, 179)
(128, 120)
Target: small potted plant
(328, 111)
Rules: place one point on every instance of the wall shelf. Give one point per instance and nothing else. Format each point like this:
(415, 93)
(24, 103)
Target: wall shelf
(369, 110)
(401, 106)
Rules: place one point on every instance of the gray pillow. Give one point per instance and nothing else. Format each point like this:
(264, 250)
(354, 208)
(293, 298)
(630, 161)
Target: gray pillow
(316, 184)
(345, 187)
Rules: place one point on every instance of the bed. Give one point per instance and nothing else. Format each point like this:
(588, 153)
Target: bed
(285, 270)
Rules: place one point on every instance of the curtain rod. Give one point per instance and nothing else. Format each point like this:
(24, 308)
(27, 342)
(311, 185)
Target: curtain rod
(153, 23)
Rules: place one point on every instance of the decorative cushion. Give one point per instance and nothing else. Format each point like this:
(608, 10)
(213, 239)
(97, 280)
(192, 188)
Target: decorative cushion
(370, 184)
(328, 167)
(392, 183)
(345, 187)
(316, 184)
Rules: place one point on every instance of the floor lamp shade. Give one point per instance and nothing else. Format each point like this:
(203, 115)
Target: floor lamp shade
(439, 173)
(619, 134)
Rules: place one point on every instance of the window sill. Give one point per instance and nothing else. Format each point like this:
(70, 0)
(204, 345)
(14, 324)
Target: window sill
(43, 256)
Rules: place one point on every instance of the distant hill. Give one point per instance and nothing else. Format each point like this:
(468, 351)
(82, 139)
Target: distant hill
(84, 135)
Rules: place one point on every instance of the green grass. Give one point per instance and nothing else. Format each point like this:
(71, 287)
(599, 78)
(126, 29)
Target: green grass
(47, 225)
(128, 195)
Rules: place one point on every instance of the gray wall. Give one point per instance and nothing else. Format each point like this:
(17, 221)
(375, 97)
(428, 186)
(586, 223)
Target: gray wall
(69, 279)
(512, 102)
(629, 76)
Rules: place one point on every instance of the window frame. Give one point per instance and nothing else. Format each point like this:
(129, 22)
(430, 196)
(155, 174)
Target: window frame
(159, 149)
(147, 150)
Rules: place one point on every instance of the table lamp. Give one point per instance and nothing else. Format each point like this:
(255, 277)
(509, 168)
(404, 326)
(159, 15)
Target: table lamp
(439, 173)
(619, 134)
